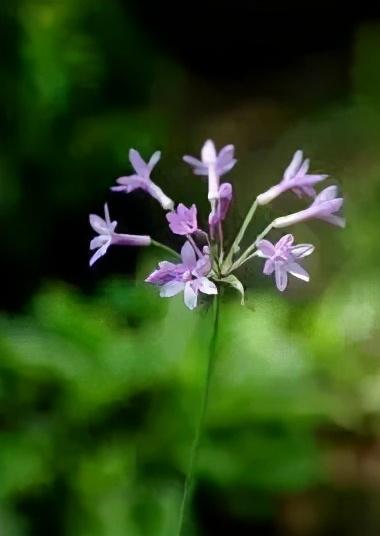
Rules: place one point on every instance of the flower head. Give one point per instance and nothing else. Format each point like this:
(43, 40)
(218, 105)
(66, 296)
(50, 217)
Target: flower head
(188, 277)
(141, 179)
(213, 165)
(282, 259)
(324, 207)
(107, 236)
(183, 220)
(295, 178)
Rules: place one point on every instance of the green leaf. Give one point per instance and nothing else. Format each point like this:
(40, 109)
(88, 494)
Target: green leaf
(234, 282)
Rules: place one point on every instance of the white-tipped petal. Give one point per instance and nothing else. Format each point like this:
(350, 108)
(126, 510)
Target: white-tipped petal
(190, 296)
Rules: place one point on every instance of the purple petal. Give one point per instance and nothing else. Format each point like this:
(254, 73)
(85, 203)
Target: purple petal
(334, 220)
(188, 256)
(306, 180)
(101, 251)
(154, 159)
(206, 286)
(137, 162)
(328, 207)
(130, 183)
(268, 267)
(98, 241)
(208, 152)
(107, 215)
(302, 250)
(203, 266)
(171, 289)
(304, 167)
(226, 155)
(190, 296)
(166, 272)
(285, 242)
(266, 249)
(294, 166)
(281, 277)
(297, 271)
(327, 194)
(222, 170)
(98, 224)
(194, 162)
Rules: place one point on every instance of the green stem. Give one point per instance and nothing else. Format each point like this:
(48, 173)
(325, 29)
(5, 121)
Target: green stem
(243, 228)
(165, 248)
(247, 253)
(198, 433)
(243, 259)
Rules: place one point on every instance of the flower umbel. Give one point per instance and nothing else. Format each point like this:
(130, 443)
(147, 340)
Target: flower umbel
(204, 264)
(141, 179)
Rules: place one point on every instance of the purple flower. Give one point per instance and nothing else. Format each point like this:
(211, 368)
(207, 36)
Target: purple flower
(296, 178)
(107, 236)
(213, 165)
(141, 179)
(188, 277)
(282, 259)
(220, 210)
(324, 207)
(183, 220)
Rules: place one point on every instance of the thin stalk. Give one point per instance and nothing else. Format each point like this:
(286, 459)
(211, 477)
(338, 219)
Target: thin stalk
(243, 228)
(187, 490)
(165, 248)
(221, 245)
(195, 247)
(242, 261)
(247, 253)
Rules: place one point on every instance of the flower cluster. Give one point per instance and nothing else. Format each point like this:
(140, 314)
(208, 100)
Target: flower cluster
(204, 264)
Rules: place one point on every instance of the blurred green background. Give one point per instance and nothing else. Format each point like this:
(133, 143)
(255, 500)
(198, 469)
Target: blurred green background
(100, 379)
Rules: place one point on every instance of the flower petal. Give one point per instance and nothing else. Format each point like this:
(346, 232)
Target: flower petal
(294, 166)
(138, 163)
(302, 250)
(130, 183)
(98, 241)
(206, 286)
(98, 224)
(285, 241)
(326, 195)
(281, 277)
(189, 258)
(265, 249)
(193, 161)
(154, 159)
(171, 289)
(208, 152)
(101, 251)
(334, 220)
(268, 267)
(297, 271)
(222, 170)
(190, 296)
(226, 155)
